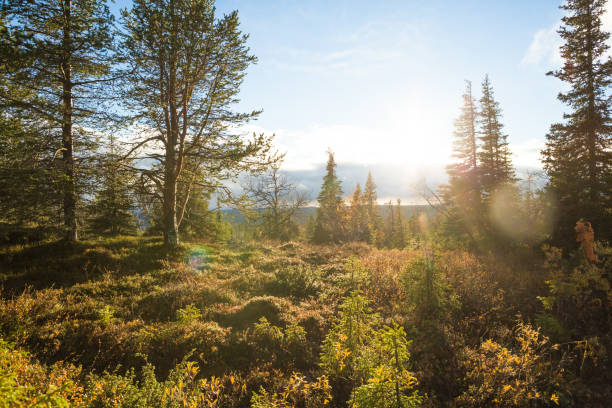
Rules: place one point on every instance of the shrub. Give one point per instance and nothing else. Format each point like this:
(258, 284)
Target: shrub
(188, 314)
(24, 382)
(517, 375)
(299, 281)
(389, 383)
(297, 392)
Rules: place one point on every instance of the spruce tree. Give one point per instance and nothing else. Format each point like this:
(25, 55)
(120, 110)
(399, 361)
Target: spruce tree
(329, 226)
(113, 205)
(464, 146)
(30, 200)
(463, 173)
(577, 157)
(462, 194)
(399, 235)
(63, 49)
(201, 222)
(358, 216)
(390, 227)
(494, 157)
(372, 211)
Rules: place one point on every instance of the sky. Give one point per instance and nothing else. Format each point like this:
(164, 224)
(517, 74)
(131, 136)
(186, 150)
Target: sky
(380, 82)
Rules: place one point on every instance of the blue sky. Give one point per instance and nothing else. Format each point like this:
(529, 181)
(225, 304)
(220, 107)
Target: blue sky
(380, 82)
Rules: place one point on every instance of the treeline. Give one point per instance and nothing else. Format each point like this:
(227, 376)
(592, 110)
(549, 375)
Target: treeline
(359, 220)
(274, 208)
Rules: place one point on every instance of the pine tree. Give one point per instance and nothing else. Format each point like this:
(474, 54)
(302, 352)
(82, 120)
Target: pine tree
(494, 157)
(63, 53)
(329, 226)
(186, 65)
(463, 173)
(390, 226)
(395, 231)
(577, 157)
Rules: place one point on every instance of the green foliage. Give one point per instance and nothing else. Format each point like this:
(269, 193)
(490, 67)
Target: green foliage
(395, 227)
(202, 223)
(495, 162)
(577, 158)
(358, 217)
(347, 338)
(106, 314)
(189, 314)
(371, 206)
(25, 383)
(370, 364)
(182, 388)
(462, 194)
(389, 382)
(580, 298)
(299, 281)
(170, 46)
(61, 62)
(113, 204)
(329, 226)
(29, 178)
(272, 204)
(427, 293)
(577, 315)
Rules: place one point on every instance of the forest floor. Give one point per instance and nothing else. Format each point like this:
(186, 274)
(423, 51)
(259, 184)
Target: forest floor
(114, 304)
(102, 312)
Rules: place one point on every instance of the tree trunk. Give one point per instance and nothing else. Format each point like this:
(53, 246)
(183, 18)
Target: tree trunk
(171, 237)
(591, 125)
(70, 221)
(170, 225)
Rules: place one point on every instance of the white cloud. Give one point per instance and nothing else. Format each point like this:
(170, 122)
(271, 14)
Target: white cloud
(372, 46)
(544, 48)
(545, 45)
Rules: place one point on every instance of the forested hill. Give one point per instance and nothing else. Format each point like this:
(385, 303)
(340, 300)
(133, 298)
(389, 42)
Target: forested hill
(407, 211)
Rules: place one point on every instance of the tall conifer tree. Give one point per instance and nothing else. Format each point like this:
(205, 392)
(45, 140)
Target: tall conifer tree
(464, 146)
(577, 156)
(63, 47)
(494, 157)
(372, 212)
(462, 194)
(358, 216)
(113, 205)
(328, 226)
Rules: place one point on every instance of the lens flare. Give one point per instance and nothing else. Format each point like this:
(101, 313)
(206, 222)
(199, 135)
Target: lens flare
(517, 218)
(199, 257)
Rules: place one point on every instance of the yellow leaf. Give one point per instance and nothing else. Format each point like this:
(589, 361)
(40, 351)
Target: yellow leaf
(554, 399)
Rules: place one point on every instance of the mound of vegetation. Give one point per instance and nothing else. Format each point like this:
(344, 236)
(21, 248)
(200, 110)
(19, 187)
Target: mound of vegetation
(275, 325)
